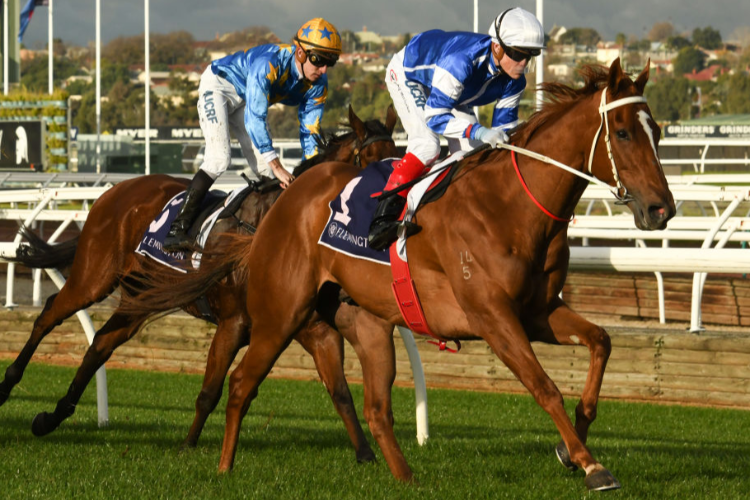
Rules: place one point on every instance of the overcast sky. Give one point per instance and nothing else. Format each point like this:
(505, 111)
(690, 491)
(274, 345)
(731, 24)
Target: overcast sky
(75, 19)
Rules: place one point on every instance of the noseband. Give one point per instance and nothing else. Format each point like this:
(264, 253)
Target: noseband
(604, 121)
(367, 142)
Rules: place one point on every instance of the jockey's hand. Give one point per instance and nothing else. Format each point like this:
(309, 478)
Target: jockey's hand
(281, 173)
(491, 136)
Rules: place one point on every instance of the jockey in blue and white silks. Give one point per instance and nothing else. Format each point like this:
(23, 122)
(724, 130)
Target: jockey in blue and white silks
(234, 95)
(456, 71)
(437, 79)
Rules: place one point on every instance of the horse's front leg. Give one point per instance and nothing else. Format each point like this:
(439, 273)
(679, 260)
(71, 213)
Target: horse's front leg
(326, 346)
(569, 328)
(503, 331)
(231, 334)
(372, 340)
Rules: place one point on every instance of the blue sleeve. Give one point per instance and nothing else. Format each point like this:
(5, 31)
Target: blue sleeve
(447, 87)
(505, 114)
(258, 84)
(310, 115)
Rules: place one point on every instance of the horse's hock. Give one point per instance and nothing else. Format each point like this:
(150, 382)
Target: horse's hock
(649, 361)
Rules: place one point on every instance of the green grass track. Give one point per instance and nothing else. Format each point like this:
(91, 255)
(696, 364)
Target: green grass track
(293, 446)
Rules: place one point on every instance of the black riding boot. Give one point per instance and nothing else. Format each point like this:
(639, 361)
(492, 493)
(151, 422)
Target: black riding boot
(177, 238)
(384, 226)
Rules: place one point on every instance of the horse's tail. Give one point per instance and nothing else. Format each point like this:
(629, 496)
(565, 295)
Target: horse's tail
(155, 288)
(41, 255)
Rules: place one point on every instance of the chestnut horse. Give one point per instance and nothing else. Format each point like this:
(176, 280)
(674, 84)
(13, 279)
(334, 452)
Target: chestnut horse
(488, 263)
(104, 259)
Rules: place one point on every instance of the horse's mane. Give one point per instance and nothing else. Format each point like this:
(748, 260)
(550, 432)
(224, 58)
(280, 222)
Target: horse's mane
(558, 98)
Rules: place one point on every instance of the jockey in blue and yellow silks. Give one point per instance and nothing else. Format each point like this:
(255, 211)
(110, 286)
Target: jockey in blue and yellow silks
(235, 93)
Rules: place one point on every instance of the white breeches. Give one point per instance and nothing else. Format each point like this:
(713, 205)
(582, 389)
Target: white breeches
(222, 111)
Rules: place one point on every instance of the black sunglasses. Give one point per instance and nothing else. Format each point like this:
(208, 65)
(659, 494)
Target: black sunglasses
(519, 55)
(319, 61)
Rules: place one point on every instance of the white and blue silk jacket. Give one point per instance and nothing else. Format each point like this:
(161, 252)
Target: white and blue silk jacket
(456, 70)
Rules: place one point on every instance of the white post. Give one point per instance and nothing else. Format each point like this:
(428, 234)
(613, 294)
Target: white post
(476, 30)
(540, 57)
(148, 96)
(98, 87)
(5, 47)
(420, 387)
(476, 16)
(50, 46)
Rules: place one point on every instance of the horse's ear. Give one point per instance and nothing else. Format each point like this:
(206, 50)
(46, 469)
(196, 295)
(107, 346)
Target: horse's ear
(390, 119)
(357, 125)
(640, 82)
(615, 76)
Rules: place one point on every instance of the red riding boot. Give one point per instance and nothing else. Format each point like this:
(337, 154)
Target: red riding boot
(384, 226)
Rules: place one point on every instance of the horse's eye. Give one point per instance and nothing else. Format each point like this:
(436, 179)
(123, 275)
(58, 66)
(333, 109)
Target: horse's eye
(623, 135)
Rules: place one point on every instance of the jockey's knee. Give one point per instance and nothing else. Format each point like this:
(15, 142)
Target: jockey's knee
(426, 151)
(214, 168)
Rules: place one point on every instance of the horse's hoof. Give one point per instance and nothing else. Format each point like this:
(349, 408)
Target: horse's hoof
(365, 456)
(601, 480)
(188, 445)
(42, 424)
(564, 457)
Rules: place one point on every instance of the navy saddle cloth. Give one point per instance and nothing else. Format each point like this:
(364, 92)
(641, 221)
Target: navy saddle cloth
(352, 212)
(153, 238)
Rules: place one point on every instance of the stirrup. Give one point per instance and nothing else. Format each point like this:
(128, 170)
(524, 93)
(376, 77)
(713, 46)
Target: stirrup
(177, 242)
(385, 232)
(177, 238)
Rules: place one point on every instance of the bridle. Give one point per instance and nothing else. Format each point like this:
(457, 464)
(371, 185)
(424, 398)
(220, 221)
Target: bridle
(367, 142)
(625, 198)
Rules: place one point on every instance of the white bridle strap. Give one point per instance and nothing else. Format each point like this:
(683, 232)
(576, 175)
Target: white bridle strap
(604, 122)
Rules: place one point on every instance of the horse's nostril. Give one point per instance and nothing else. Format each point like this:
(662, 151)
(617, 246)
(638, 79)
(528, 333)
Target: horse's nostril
(658, 213)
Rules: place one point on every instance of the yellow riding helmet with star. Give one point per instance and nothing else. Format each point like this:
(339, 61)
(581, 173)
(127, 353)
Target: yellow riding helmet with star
(320, 36)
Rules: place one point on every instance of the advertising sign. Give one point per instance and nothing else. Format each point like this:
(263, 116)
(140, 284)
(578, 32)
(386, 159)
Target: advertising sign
(21, 144)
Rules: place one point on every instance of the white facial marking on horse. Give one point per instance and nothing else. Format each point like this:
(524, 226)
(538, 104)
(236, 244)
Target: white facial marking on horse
(644, 118)
(575, 339)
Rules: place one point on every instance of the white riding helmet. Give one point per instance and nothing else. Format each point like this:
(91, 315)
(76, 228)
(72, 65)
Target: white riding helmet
(518, 28)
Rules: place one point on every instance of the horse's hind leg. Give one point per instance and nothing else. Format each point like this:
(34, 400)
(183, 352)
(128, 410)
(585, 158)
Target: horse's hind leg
(60, 306)
(230, 336)
(569, 328)
(266, 344)
(114, 333)
(327, 349)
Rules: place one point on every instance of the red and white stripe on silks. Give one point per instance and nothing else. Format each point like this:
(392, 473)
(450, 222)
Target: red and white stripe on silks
(415, 196)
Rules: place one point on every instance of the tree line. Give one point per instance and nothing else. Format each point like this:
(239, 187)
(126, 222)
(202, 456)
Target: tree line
(671, 97)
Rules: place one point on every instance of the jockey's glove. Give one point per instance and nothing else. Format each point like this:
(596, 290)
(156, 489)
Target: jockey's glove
(493, 137)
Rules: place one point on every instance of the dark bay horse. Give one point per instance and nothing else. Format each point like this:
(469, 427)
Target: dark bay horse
(488, 263)
(104, 259)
